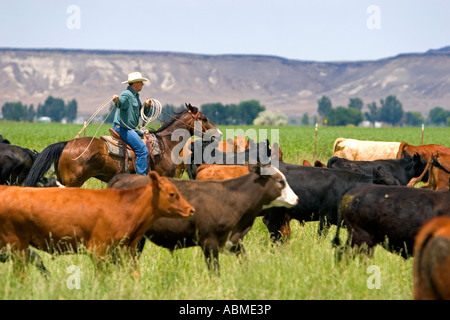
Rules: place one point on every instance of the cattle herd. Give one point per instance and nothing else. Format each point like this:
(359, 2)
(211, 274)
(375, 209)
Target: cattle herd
(367, 187)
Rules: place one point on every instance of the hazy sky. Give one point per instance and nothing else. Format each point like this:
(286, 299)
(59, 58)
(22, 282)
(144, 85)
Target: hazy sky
(318, 30)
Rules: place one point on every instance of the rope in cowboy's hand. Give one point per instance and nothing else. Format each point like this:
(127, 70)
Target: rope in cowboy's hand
(93, 116)
(153, 114)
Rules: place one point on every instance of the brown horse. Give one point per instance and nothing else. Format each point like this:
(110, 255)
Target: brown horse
(77, 160)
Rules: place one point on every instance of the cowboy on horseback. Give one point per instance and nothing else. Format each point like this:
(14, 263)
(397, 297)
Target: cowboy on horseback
(126, 119)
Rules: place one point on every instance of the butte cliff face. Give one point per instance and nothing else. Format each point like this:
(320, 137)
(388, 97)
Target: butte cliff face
(421, 81)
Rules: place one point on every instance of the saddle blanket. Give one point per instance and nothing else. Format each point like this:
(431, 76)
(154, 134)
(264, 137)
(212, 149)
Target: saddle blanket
(114, 148)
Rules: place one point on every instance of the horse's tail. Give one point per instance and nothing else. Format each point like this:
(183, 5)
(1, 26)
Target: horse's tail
(50, 155)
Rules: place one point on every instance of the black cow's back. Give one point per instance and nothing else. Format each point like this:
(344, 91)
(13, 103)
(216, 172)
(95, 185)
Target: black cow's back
(374, 213)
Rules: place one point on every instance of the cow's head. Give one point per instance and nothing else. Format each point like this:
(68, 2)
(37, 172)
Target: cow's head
(168, 199)
(419, 164)
(278, 188)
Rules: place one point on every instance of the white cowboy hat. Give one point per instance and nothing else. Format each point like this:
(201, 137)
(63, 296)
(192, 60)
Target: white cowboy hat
(135, 77)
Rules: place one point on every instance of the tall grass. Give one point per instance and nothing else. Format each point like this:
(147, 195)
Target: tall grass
(304, 268)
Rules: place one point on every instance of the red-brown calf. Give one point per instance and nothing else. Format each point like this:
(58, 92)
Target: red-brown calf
(220, 172)
(438, 173)
(425, 151)
(239, 144)
(432, 260)
(63, 219)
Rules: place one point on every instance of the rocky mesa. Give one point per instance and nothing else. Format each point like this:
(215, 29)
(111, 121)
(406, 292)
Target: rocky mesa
(421, 81)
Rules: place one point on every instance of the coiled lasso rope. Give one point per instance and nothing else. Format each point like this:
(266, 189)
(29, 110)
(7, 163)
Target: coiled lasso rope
(153, 113)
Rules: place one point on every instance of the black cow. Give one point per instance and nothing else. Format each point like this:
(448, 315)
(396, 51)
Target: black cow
(15, 163)
(224, 211)
(320, 191)
(2, 140)
(49, 182)
(403, 170)
(257, 152)
(374, 214)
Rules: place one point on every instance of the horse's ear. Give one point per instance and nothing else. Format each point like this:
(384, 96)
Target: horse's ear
(154, 180)
(189, 106)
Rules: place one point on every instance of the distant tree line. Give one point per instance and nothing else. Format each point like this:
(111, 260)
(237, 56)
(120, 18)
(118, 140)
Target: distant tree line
(233, 114)
(54, 108)
(389, 111)
(243, 113)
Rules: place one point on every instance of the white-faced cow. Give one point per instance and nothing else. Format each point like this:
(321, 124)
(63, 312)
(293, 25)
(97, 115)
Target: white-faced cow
(225, 210)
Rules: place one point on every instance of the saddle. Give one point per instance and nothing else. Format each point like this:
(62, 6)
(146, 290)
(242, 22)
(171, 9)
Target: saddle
(119, 148)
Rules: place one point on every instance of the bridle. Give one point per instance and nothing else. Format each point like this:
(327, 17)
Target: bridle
(194, 116)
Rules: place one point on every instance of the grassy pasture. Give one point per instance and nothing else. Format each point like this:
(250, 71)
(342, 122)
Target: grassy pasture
(304, 268)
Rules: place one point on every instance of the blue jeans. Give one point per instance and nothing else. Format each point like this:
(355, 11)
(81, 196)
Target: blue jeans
(139, 147)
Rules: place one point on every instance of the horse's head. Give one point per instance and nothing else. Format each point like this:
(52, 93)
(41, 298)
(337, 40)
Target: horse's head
(199, 122)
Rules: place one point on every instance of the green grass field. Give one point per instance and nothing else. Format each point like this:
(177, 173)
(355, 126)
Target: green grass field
(304, 268)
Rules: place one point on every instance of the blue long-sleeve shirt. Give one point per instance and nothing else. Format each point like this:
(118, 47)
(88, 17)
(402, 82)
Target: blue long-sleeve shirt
(129, 107)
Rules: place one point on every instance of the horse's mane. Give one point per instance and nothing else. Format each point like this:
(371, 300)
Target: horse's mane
(168, 123)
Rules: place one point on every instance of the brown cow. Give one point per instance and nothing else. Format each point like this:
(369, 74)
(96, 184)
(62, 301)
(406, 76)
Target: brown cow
(64, 219)
(431, 267)
(220, 171)
(438, 174)
(425, 151)
(225, 210)
(237, 145)
(225, 172)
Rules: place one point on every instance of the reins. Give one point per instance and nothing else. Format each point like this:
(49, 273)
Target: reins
(194, 116)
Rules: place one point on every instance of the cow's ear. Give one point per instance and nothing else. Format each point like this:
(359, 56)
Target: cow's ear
(264, 171)
(154, 180)
(256, 168)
